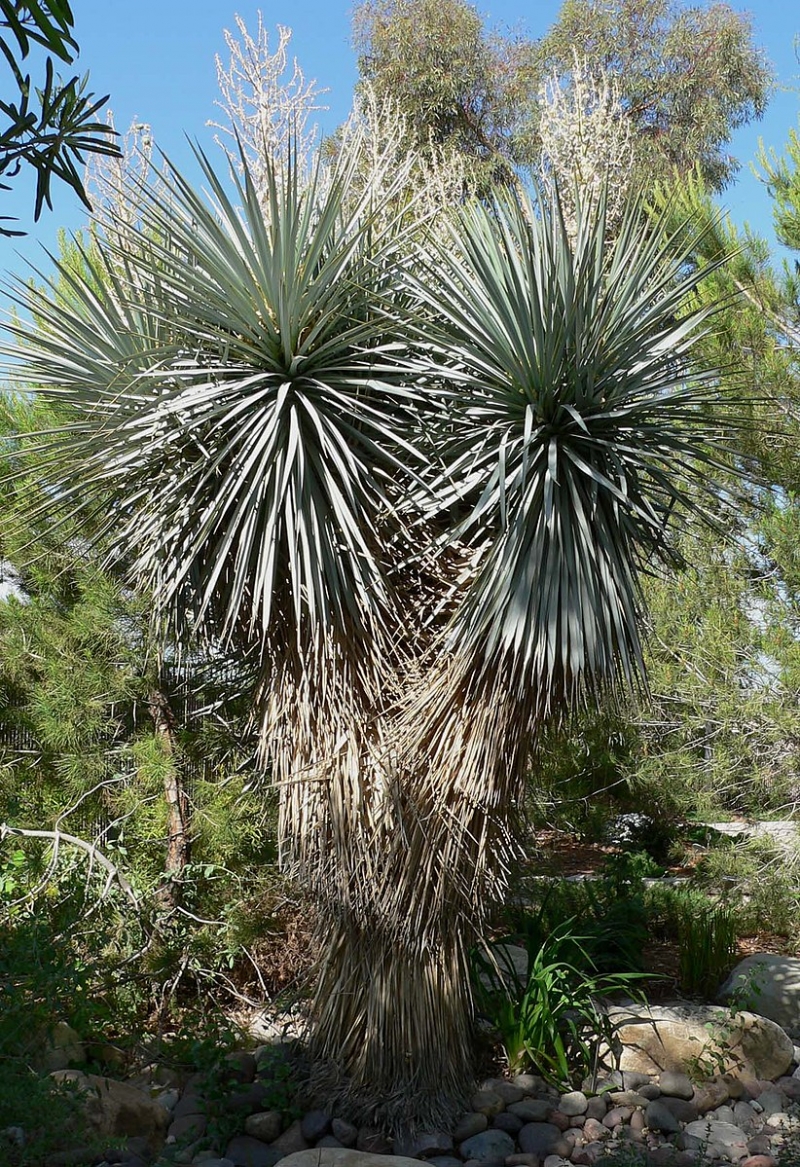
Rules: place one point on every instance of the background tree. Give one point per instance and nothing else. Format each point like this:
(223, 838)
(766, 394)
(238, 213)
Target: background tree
(460, 89)
(687, 77)
(52, 128)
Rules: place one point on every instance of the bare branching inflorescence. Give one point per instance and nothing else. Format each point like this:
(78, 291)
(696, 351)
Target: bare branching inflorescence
(267, 102)
(433, 182)
(108, 178)
(587, 144)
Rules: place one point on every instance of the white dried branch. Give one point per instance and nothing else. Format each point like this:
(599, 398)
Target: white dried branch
(95, 856)
(587, 143)
(108, 178)
(267, 102)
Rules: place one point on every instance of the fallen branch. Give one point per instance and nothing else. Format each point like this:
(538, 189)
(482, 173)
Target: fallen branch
(57, 837)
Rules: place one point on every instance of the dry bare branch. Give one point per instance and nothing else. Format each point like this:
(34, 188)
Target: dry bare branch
(587, 144)
(267, 102)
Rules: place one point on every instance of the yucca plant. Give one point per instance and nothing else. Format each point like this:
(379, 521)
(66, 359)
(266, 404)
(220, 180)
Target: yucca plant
(572, 430)
(416, 476)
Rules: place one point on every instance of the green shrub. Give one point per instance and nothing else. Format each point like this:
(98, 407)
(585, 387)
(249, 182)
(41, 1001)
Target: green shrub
(707, 949)
(550, 1020)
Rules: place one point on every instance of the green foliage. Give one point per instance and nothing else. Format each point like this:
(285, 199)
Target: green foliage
(687, 77)
(761, 878)
(282, 1090)
(48, 1115)
(461, 90)
(611, 910)
(551, 1020)
(707, 949)
(62, 934)
(53, 127)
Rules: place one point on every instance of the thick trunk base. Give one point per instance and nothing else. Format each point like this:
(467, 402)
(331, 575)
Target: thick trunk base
(408, 1054)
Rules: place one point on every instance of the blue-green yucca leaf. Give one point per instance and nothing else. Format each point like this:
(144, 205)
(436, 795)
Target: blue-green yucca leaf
(575, 427)
(233, 399)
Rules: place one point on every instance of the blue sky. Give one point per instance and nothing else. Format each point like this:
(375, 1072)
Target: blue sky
(156, 60)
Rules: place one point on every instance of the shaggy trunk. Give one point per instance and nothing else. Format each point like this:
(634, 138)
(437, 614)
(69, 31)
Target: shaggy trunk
(407, 889)
(177, 802)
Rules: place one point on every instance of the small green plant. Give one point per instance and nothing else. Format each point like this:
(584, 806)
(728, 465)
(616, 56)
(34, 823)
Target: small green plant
(280, 1082)
(707, 948)
(551, 1019)
(39, 1118)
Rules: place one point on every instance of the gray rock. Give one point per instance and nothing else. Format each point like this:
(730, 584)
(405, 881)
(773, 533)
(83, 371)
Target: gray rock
(488, 1147)
(328, 1141)
(617, 1115)
(508, 1091)
(682, 1110)
(530, 1083)
(594, 1131)
(532, 1109)
(596, 1107)
(711, 1094)
(444, 1161)
(745, 1117)
(660, 1118)
(314, 1125)
(722, 1114)
(266, 1125)
(191, 1101)
(512, 1124)
(573, 1103)
(424, 1144)
(538, 1138)
(346, 1157)
(487, 1102)
(169, 1099)
(469, 1125)
(719, 1138)
(633, 1079)
(767, 984)
(772, 1101)
(650, 1091)
(213, 1162)
(345, 1132)
(291, 1140)
(627, 1098)
(244, 1151)
(187, 1126)
(675, 1084)
(790, 1087)
(638, 1120)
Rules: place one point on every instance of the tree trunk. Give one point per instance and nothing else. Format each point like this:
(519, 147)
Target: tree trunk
(417, 855)
(178, 842)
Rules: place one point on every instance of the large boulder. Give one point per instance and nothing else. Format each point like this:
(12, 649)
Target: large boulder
(770, 985)
(699, 1040)
(117, 1109)
(60, 1048)
(345, 1157)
